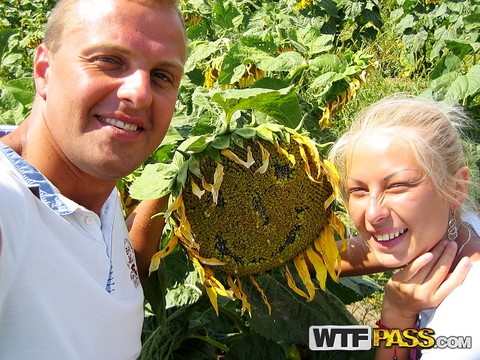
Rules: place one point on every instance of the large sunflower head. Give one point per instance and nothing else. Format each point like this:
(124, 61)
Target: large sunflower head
(261, 200)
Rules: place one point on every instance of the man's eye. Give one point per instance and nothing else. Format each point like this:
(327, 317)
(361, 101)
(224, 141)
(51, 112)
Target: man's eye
(107, 61)
(161, 77)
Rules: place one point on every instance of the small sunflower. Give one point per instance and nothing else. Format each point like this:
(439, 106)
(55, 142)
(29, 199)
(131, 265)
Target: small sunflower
(251, 75)
(262, 200)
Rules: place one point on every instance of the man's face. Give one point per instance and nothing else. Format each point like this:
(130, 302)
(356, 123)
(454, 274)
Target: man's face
(111, 88)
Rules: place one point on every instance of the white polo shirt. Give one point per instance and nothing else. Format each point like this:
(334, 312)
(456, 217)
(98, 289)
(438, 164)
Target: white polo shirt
(69, 286)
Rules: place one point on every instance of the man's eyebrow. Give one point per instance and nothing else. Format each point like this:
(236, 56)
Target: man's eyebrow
(163, 61)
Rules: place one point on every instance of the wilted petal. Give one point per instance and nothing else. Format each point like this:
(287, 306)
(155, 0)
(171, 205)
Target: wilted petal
(265, 159)
(196, 189)
(304, 274)
(232, 156)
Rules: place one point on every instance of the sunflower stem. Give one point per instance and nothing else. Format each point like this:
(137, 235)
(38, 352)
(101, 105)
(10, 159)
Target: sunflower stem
(212, 342)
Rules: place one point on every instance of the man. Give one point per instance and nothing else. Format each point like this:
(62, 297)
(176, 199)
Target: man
(106, 79)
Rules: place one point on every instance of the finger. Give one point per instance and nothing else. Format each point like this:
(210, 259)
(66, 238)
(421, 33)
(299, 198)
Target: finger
(441, 267)
(443, 257)
(454, 280)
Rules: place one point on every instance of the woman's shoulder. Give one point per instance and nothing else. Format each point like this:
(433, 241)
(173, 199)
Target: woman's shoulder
(474, 220)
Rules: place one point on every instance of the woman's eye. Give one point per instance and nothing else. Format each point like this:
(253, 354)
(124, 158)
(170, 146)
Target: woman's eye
(357, 191)
(399, 185)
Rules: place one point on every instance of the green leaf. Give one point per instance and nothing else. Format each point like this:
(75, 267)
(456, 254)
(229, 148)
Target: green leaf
(326, 63)
(354, 288)
(221, 142)
(234, 61)
(246, 133)
(154, 182)
(324, 309)
(22, 90)
(224, 14)
(201, 50)
(194, 144)
(464, 86)
(315, 41)
(282, 105)
(460, 47)
(255, 347)
(287, 61)
(4, 36)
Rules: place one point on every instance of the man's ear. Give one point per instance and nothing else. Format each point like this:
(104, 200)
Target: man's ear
(462, 176)
(41, 69)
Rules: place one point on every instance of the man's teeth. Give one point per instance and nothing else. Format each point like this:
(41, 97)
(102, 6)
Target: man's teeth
(120, 124)
(386, 237)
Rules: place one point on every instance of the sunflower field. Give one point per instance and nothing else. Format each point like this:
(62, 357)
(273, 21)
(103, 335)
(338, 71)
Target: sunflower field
(247, 260)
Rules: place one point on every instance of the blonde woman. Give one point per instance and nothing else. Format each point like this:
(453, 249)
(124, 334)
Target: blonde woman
(405, 183)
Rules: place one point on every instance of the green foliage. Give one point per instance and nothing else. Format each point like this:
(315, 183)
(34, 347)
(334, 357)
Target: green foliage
(440, 39)
(186, 326)
(21, 30)
(305, 64)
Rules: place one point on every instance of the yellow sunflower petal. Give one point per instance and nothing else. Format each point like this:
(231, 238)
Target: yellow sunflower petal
(234, 157)
(265, 159)
(262, 293)
(304, 274)
(326, 116)
(212, 285)
(212, 295)
(308, 147)
(155, 261)
(239, 293)
(289, 156)
(217, 182)
(327, 246)
(319, 266)
(196, 189)
(174, 206)
(292, 284)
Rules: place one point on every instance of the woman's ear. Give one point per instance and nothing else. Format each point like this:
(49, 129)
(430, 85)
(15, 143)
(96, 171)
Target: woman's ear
(41, 69)
(461, 187)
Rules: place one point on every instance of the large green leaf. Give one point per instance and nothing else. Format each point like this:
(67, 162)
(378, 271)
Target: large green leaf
(154, 182)
(292, 315)
(281, 105)
(464, 87)
(255, 347)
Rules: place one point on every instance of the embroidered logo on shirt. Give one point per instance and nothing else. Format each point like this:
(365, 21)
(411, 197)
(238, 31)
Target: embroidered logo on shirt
(132, 265)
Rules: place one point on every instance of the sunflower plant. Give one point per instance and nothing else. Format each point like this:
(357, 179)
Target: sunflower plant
(252, 228)
(251, 205)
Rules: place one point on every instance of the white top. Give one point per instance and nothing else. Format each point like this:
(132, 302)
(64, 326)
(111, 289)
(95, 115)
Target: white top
(457, 317)
(69, 287)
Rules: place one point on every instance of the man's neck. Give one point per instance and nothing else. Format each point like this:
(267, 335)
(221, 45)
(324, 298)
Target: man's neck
(28, 140)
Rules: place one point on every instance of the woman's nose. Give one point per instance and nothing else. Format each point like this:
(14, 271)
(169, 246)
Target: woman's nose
(377, 209)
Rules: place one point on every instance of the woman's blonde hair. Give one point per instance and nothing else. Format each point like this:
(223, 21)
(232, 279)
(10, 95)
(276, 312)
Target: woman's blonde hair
(432, 130)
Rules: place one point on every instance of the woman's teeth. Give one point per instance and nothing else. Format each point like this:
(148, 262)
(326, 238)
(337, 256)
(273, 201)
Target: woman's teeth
(391, 236)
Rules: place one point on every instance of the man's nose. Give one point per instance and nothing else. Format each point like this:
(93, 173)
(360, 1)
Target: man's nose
(135, 90)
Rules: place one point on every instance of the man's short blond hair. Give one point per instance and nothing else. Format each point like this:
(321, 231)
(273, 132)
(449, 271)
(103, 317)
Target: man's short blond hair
(64, 13)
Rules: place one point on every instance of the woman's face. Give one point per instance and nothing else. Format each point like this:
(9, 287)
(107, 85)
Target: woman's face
(394, 206)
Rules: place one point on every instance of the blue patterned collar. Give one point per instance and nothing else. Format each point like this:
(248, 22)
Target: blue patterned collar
(40, 186)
